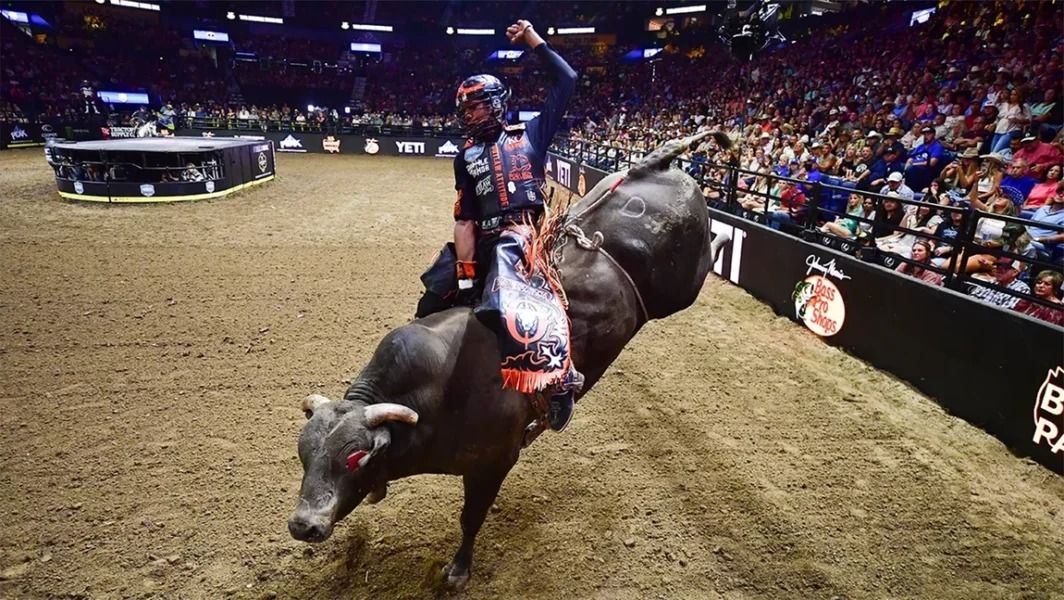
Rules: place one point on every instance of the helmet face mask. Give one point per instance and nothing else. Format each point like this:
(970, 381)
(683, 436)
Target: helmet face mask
(481, 104)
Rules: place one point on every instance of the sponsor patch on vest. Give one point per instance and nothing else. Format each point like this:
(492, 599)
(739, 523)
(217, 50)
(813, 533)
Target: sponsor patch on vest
(478, 167)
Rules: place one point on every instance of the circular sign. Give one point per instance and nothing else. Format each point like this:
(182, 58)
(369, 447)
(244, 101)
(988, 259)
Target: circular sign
(819, 304)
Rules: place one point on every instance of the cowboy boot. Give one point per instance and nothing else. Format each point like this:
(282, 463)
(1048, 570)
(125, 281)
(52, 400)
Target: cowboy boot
(563, 401)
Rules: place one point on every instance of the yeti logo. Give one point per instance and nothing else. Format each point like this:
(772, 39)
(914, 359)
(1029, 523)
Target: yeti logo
(563, 173)
(410, 147)
(1048, 411)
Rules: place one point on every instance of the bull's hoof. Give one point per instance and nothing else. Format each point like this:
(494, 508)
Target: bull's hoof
(532, 432)
(377, 494)
(455, 577)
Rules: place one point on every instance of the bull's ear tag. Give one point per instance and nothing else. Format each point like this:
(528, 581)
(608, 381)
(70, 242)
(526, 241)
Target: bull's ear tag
(354, 461)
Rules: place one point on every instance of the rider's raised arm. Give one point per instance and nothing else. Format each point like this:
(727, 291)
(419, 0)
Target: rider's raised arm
(563, 82)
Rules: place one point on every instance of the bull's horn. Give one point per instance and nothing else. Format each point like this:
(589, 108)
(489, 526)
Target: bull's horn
(387, 411)
(313, 402)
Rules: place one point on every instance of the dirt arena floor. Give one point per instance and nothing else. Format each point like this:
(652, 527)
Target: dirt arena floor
(153, 359)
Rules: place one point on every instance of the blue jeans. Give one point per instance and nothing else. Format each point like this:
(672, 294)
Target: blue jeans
(1001, 141)
(778, 218)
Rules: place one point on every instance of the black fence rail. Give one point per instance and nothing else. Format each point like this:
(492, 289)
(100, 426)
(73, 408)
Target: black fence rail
(957, 252)
(327, 127)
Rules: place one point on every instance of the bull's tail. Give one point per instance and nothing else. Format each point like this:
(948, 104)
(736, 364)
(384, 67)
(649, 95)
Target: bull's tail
(662, 157)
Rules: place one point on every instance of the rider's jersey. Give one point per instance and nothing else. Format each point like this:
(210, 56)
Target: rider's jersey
(506, 175)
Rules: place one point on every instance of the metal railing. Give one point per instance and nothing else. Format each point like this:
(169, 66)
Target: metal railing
(327, 127)
(721, 184)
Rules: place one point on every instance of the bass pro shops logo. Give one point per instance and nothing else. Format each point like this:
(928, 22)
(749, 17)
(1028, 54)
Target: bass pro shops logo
(818, 303)
(1049, 411)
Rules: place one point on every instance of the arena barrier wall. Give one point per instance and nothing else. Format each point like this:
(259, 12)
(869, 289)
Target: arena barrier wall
(20, 135)
(325, 143)
(997, 369)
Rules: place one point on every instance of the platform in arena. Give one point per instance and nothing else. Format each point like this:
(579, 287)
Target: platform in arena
(165, 169)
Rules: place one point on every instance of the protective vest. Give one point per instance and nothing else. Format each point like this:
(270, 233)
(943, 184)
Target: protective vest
(507, 175)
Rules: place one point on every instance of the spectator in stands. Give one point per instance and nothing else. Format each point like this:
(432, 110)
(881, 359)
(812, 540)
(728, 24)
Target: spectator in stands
(948, 230)
(1047, 288)
(1004, 274)
(1045, 239)
(1010, 150)
(887, 218)
(792, 207)
(976, 137)
(990, 175)
(1047, 116)
(1041, 192)
(1038, 154)
(1016, 183)
(925, 160)
(846, 226)
(1013, 116)
(896, 185)
(921, 220)
(921, 256)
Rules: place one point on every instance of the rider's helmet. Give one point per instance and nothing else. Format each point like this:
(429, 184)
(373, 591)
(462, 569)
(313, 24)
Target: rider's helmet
(481, 91)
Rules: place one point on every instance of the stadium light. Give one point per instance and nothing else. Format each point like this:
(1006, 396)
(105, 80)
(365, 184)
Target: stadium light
(550, 30)
(679, 10)
(258, 19)
(140, 5)
(574, 30)
(450, 31)
(310, 108)
(368, 27)
(230, 15)
(345, 26)
(462, 31)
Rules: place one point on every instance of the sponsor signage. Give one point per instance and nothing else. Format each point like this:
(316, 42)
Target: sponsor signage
(291, 144)
(331, 144)
(447, 150)
(1049, 412)
(410, 147)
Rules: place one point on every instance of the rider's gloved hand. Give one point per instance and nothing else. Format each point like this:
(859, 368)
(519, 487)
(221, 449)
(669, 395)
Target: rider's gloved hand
(468, 293)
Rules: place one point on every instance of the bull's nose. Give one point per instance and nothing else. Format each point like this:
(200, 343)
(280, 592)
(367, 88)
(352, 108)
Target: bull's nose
(308, 530)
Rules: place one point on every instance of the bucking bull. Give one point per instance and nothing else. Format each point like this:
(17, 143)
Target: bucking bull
(636, 247)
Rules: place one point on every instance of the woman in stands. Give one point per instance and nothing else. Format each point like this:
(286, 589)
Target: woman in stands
(1042, 192)
(846, 226)
(888, 217)
(1046, 287)
(921, 219)
(1013, 116)
(921, 255)
(989, 183)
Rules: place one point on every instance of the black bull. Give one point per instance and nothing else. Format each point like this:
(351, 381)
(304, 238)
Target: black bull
(430, 400)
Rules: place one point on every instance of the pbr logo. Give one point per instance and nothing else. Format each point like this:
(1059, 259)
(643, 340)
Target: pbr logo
(331, 144)
(264, 163)
(1049, 411)
(79, 187)
(818, 303)
(410, 147)
(447, 150)
(147, 190)
(292, 144)
(210, 187)
(372, 147)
